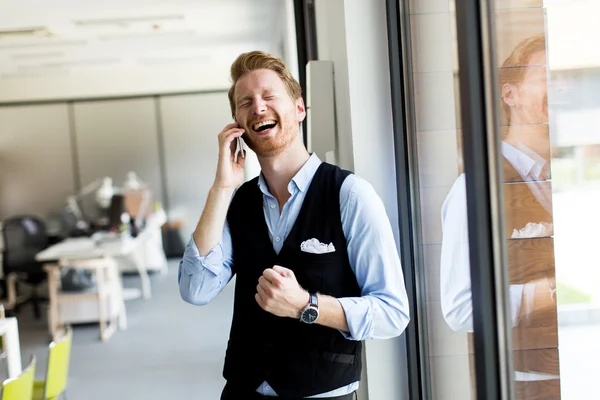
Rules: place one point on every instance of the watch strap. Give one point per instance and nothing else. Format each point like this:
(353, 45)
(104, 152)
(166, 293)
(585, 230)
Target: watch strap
(314, 300)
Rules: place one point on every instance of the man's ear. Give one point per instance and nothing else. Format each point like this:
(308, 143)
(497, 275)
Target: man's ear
(300, 109)
(510, 94)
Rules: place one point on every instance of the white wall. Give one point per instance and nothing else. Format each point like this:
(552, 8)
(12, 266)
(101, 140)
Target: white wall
(111, 138)
(353, 34)
(36, 161)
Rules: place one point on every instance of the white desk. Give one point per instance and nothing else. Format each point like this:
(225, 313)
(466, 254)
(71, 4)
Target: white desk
(85, 248)
(9, 330)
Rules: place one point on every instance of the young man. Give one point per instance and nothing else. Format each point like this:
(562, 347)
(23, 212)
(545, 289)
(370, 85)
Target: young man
(317, 267)
(524, 94)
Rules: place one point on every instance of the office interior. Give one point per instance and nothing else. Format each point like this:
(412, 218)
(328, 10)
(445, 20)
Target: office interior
(476, 121)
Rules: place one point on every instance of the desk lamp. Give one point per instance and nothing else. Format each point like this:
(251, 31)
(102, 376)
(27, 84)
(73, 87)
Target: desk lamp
(104, 193)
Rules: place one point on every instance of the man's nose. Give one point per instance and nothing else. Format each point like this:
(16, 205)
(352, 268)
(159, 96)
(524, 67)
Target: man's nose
(259, 107)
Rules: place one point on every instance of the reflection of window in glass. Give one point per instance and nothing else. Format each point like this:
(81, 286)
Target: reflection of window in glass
(592, 162)
(575, 165)
(563, 153)
(575, 127)
(563, 167)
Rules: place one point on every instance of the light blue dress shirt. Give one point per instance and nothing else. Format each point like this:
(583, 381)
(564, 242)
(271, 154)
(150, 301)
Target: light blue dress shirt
(380, 312)
(455, 272)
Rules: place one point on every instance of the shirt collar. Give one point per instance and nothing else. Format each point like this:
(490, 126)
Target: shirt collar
(301, 180)
(523, 159)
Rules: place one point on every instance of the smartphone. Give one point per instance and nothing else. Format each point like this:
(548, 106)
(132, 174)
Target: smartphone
(239, 149)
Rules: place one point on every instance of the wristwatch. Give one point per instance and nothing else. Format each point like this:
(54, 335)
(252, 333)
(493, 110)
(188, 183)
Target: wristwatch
(310, 314)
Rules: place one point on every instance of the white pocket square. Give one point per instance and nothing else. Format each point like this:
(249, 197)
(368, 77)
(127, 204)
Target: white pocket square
(315, 247)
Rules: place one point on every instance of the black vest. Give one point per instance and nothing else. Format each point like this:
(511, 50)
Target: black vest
(540, 190)
(295, 358)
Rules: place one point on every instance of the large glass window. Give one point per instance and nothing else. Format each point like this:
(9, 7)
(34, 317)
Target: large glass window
(546, 81)
(444, 265)
(522, 86)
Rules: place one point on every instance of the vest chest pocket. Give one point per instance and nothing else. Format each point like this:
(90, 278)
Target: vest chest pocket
(310, 259)
(313, 268)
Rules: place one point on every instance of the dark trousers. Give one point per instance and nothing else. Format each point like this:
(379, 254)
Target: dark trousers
(231, 393)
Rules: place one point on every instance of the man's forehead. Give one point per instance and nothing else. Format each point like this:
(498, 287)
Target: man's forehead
(259, 81)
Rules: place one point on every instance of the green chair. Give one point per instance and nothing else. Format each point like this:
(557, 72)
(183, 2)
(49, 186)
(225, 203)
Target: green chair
(20, 387)
(57, 371)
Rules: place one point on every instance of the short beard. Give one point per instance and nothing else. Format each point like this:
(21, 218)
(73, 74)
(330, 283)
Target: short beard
(274, 146)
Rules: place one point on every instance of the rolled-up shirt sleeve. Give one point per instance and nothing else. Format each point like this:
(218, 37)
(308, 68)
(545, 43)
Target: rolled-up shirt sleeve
(455, 272)
(381, 312)
(202, 278)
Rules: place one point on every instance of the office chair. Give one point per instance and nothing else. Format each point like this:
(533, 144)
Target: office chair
(24, 236)
(20, 387)
(57, 371)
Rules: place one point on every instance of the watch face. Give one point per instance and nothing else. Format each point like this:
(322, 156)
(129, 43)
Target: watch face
(310, 315)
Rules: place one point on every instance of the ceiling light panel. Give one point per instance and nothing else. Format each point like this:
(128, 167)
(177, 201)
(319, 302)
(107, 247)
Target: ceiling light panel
(25, 33)
(44, 43)
(172, 35)
(32, 56)
(71, 63)
(124, 21)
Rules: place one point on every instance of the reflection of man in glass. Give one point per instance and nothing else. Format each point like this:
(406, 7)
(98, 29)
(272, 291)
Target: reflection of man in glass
(524, 94)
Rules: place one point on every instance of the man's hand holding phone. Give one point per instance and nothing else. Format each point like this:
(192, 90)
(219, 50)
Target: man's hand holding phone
(230, 168)
(230, 175)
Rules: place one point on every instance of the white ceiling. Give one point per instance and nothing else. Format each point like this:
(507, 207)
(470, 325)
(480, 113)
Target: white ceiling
(80, 36)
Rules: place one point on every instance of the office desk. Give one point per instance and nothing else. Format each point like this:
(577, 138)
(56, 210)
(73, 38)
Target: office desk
(9, 330)
(85, 248)
(104, 304)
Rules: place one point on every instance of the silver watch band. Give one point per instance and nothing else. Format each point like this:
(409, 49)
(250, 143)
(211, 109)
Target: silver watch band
(314, 299)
